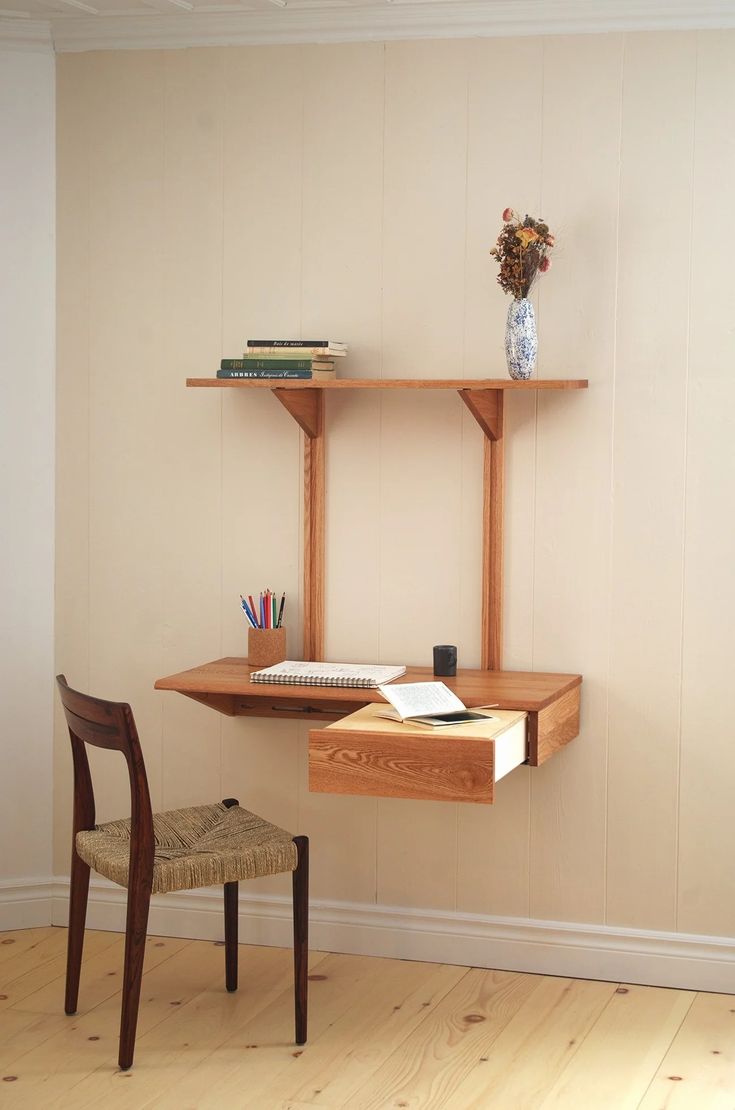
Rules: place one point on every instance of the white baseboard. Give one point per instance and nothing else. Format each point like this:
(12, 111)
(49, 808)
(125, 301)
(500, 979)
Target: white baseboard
(692, 962)
(26, 903)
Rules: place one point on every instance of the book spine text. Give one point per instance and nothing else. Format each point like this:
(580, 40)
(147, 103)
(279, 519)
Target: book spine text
(293, 352)
(265, 364)
(288, 342)
(274, 375)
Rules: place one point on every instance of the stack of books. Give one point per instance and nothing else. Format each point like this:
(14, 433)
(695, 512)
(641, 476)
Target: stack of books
(285, 358)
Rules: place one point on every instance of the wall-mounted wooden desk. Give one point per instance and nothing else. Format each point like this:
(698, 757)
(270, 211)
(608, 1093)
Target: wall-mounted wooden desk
(550, 700)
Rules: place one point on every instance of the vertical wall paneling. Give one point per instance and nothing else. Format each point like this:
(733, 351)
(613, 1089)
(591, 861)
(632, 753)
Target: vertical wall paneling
(342, 256)
(262, 445)
(706, 896)
(127, 401)
(191, 458)
(421, 564)
(74, 79)
(423, 251)
(648, 479)
(501, 172)
(581, 141)
(341, 276)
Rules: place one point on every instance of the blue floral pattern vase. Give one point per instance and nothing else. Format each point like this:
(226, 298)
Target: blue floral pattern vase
(521, 342)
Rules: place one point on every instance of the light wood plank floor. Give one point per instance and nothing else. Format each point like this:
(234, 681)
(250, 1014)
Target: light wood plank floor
(382, 1034)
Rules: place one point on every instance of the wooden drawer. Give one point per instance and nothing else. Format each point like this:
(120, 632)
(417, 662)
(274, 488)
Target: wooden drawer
(366, 754)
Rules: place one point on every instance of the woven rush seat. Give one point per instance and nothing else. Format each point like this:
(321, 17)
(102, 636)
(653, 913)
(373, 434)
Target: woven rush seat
(194, 847)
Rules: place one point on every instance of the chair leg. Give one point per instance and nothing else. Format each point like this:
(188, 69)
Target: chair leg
(301, 936)
(78, 892)
(139, 898)
(231, 893)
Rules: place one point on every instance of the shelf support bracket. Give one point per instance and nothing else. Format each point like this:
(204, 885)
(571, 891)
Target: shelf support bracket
(306, 406)
(486, 405)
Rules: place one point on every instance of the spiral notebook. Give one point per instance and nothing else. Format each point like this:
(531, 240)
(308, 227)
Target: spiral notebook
(300, 673)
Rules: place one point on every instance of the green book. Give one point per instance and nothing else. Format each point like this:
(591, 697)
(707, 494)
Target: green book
(265, 364)
(273, 375)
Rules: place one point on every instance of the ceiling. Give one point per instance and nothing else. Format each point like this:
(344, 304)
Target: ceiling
(69, 25)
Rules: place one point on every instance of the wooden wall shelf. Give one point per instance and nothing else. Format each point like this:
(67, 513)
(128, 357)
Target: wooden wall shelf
(484, 397)
(388, 383)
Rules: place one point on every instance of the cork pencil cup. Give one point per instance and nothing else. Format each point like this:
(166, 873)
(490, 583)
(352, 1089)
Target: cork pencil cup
(266, 646)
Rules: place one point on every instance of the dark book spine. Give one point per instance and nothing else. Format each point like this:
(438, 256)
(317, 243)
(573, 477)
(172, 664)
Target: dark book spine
(276, 375)
(288, 343)
(265, 364)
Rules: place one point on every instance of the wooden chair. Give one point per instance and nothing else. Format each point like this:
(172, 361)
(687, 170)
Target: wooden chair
(178, 850)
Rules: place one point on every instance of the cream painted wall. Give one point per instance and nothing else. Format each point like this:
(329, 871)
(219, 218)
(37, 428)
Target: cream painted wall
(210, 195)
(26, 473)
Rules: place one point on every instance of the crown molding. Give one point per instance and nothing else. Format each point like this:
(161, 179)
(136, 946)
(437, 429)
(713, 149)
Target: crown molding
(362, 23)
(26, 34)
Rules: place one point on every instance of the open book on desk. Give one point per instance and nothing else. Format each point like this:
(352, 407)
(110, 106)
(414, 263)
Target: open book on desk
(427, 703)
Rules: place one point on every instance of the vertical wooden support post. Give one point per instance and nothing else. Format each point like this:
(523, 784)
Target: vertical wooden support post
(314, 491)
(492, 549)
(307, 408)
(486, 405)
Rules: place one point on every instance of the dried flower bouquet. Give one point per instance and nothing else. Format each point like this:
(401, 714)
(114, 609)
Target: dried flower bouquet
(523, 250)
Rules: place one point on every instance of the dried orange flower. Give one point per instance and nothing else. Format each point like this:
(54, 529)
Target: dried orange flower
(526, 235)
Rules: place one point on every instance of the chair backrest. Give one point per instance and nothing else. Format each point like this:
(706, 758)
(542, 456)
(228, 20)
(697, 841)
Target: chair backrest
(108, 724)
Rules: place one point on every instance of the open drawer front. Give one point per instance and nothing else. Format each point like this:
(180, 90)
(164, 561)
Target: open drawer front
(367, 754)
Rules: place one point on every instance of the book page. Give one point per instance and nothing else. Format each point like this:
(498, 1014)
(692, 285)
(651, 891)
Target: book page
(421, 699)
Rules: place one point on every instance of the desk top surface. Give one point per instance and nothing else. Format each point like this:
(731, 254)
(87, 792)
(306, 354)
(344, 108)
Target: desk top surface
(507, 689)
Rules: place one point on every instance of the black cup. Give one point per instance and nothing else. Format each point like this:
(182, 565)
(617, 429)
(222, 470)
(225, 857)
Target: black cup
(445, 660)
